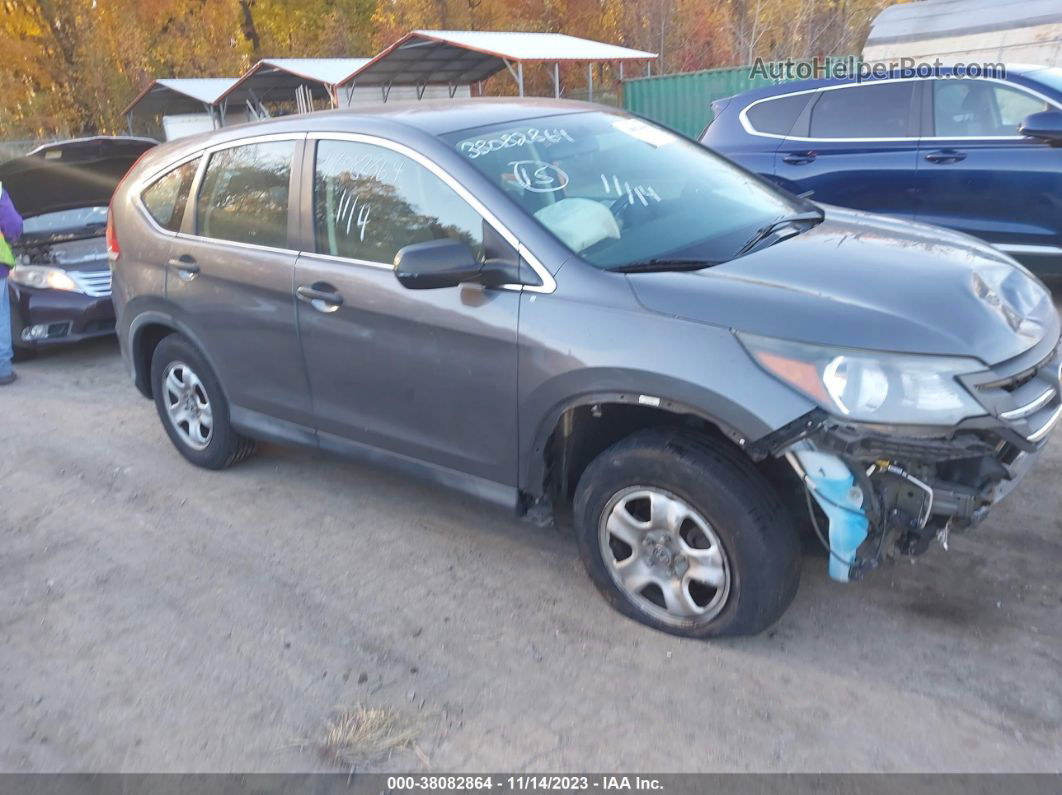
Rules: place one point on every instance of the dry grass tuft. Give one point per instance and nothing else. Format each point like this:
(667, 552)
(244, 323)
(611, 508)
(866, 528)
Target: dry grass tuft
(362, 734)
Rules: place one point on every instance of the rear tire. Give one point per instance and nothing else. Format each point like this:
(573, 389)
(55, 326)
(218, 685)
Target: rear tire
(193, 408)
(684, 535)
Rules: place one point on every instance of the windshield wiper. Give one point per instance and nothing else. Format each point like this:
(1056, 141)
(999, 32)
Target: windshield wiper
(811, 216)
(665, 264)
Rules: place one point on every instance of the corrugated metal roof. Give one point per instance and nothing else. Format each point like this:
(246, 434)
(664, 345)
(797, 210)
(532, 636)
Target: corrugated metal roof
(204, 89)
(940, 18)
(180, 95)
(462, 57)
(323, 70)
(518, 46)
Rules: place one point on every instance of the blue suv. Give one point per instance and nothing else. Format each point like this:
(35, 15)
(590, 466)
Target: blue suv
(979, 155)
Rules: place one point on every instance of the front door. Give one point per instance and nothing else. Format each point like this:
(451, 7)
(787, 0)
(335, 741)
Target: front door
(427, 374)
(979, 176)
(230, 277)
(855, 146)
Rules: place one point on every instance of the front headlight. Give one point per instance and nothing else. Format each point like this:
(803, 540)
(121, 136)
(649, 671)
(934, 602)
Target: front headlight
(43, 277)
(868, 386)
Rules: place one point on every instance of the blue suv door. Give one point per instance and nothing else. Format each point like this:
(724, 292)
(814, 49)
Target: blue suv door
(976, 174)
(855, 145)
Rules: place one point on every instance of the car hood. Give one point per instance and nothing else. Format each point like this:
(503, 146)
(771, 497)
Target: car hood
(70, 174)
(864, 281)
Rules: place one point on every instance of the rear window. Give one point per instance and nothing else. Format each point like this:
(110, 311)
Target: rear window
(166, 198)
(868, 111)
(777, 116)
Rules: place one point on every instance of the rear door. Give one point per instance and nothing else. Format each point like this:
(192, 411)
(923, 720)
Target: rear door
(978, 175)
(855, 146)
(231, 271)
(427, 374)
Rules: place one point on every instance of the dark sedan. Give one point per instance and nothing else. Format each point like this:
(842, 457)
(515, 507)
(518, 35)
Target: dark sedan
(61, 284)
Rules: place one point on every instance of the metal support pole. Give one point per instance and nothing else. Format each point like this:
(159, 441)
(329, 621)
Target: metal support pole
(621, 71)
(648, 68)
(556, 80)
(520, 76)
(590, 82)
(129, 121)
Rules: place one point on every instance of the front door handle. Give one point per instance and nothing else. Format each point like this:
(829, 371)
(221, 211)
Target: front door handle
(186, 266)
(946, 156)
(800, 158)
(321, 296)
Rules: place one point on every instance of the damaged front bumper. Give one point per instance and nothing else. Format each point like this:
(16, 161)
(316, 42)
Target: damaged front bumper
(883, 488)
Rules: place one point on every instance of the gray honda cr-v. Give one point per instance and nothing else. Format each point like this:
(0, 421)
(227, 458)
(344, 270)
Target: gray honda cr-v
(557, 306)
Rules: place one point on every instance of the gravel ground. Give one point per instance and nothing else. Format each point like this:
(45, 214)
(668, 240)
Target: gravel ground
(156, 617)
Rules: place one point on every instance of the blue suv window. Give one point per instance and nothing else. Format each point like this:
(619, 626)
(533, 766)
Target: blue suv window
(980, 108)
(878, 110)
(777, 116)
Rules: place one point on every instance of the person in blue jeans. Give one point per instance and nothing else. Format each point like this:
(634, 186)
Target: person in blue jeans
(11, 230)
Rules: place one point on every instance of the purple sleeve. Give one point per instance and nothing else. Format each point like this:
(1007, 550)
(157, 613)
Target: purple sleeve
(10, 220)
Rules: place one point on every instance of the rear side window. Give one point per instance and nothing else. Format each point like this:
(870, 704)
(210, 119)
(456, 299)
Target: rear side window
(244, 196)
(777, 116)
(868, 111)
(166, 198)
(369, 202)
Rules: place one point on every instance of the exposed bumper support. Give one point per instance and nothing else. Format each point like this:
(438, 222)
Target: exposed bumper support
(873, 487)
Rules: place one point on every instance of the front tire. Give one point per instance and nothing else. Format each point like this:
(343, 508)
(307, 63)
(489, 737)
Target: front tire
(684, 535)
(193, 408)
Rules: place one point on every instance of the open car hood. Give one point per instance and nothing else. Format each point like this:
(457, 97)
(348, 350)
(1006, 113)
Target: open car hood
(70, 174)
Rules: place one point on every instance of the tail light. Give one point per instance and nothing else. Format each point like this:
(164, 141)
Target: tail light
(114, 251)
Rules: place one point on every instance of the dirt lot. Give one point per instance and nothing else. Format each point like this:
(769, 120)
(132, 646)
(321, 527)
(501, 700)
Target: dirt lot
(155, 617)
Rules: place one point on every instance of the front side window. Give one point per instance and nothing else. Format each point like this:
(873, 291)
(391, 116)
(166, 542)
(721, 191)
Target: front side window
(617, 190)
(777, 116)
(244, 196)
(980, 108)
(370, 201)
(872, 110)
(166, 198)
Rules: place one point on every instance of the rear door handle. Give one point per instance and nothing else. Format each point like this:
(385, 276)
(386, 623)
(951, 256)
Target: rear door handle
(186, 266)
(321, 296)
(946, 156)
(800, 158)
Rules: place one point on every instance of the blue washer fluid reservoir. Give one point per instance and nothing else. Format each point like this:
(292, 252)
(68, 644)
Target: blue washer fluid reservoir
(834, 489)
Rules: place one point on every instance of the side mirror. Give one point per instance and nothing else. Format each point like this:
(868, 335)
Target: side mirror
(436, 263)
(1045, 125)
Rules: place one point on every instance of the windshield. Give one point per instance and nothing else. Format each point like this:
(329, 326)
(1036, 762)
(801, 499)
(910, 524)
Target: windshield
(617, 190)
(78, 220)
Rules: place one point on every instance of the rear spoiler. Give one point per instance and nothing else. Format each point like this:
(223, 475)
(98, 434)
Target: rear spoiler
(718, 106)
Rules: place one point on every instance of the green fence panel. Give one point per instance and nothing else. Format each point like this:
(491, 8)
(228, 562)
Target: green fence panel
(683, 101)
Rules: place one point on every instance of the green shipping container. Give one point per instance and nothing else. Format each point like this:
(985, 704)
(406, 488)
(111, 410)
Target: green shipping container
(683, 101)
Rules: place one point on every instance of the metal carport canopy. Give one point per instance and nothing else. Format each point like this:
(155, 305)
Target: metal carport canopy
(278, 78)
(460, 57)
(180, 95)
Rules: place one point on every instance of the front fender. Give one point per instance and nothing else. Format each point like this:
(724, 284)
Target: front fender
(543, 409)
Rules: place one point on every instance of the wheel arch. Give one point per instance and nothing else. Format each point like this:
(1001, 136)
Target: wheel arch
(146, 331)
(574, 431)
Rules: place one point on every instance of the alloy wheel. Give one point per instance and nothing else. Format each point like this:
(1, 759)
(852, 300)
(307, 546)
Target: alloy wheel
(188, 405)
(665, 556)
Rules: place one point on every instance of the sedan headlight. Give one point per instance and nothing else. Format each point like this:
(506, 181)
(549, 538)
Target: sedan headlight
(43, 277)
(868, 386)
